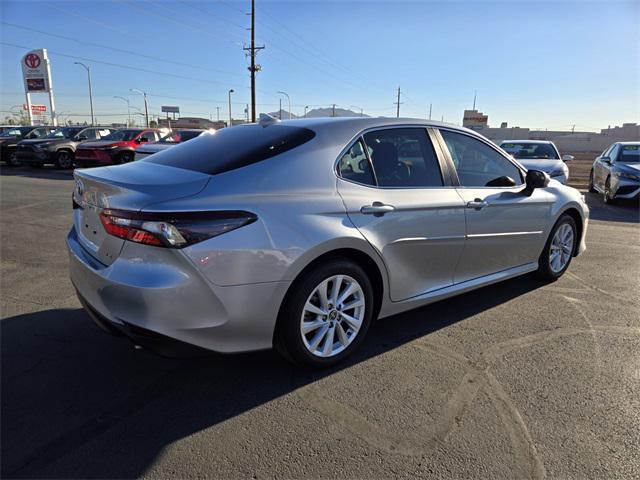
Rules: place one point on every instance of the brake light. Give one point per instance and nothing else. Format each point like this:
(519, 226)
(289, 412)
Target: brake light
(172, 230)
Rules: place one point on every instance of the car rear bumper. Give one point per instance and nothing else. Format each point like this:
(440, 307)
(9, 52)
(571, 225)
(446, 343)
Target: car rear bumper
(162, 294)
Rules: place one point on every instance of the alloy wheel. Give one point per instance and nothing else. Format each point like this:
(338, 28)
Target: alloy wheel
(332, 316)
(64, 160)
(561, 248)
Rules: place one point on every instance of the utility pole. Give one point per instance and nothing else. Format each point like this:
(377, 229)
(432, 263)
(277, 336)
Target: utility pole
(573, 127)
(306, 107)
(253, 68)
(280, 109)
(146, 106)
(398, 103)
(333, 110)
(475, 94)
(430, 108)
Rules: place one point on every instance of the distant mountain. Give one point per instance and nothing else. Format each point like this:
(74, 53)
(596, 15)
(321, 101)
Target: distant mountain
(319, 112)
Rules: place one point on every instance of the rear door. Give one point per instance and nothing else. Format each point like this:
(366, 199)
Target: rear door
(504, 228)
(395, 193)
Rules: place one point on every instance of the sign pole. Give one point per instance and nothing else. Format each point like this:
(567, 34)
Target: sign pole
(54, 119)
(29, 112)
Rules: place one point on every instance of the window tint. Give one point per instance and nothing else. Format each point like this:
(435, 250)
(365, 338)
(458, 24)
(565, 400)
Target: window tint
(477, 163)
(629, 154)
(531, 150)
(403, 157)
(149, 136)
(232, 147)
(354, 165)
(90, 134)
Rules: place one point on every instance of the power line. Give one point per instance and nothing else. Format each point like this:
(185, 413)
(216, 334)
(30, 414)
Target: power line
(119, 65)
(119, 50)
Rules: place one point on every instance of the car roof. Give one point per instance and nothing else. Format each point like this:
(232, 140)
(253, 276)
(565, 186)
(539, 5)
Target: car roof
(628, 143)
(342, 129)
(526, 141)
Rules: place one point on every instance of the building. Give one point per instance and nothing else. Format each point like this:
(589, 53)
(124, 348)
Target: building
(475, 120)
(190, 122)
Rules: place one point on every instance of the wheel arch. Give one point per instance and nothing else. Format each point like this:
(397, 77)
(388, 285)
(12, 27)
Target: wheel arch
(577, 217)
(364, 260)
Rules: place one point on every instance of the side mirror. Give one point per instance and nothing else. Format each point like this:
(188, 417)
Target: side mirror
(535, 179)
(605, 160)
(567, 158)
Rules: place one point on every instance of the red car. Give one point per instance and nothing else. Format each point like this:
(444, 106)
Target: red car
(119, 147)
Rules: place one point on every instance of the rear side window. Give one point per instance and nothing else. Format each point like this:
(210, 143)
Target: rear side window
(232, 147)
(354, 165)
(403, 157)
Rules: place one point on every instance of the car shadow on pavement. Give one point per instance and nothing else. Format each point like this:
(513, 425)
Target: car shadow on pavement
(46, 172)
(622, 211)
(78, 403)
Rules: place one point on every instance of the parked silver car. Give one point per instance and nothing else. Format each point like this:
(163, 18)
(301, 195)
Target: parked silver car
(539, 155)
(298, 234)
(616, 172)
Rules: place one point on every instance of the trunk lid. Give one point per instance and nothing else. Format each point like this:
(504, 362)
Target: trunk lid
(126, 187)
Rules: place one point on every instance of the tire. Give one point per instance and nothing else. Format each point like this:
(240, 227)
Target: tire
(125, 157)
(64, 159)
(606, 196)
(339, 323)
(12, 158)
(592, 189)
(549, 269)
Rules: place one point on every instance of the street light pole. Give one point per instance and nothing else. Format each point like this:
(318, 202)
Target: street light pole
(289, 99)
(218, 113)
(90, 90)
(359, 108)
(230, 119)
(146, 106)
(306, 107)
(128, 109)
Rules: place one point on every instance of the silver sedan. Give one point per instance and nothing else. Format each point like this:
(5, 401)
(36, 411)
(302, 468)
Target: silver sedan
(298, 234)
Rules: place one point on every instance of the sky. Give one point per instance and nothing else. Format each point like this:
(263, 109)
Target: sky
(540, 64)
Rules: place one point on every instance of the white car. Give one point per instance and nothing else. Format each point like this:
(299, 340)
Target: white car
(169, 140)
(539, 155)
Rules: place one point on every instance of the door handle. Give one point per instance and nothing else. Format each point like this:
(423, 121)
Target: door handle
(478, 204)
(377, 208)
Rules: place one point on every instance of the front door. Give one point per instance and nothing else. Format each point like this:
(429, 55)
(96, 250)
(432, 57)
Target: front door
(505, 228)
(404, 208)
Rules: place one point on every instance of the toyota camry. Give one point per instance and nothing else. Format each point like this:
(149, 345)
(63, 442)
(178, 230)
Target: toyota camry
(298, 234)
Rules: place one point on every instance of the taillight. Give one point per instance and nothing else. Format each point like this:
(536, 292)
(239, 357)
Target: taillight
(172, 230)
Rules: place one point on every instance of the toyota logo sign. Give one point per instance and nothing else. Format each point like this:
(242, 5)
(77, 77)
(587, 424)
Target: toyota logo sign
(32, 60)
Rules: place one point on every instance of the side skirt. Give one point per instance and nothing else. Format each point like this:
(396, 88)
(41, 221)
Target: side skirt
(393, 308)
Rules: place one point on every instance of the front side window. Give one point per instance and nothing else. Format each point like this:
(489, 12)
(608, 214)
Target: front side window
(613, 153)
(477, 164)
(149, 136)
(354, 165)
(403, 157)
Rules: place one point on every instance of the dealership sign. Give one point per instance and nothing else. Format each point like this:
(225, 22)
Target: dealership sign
(36, 71)
(170, 109)
(35, 108)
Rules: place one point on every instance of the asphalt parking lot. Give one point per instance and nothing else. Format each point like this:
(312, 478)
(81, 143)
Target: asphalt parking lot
(516, 380)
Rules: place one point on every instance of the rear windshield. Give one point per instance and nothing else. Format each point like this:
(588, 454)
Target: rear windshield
(180, 136)
(232, 147)
(531, 150)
